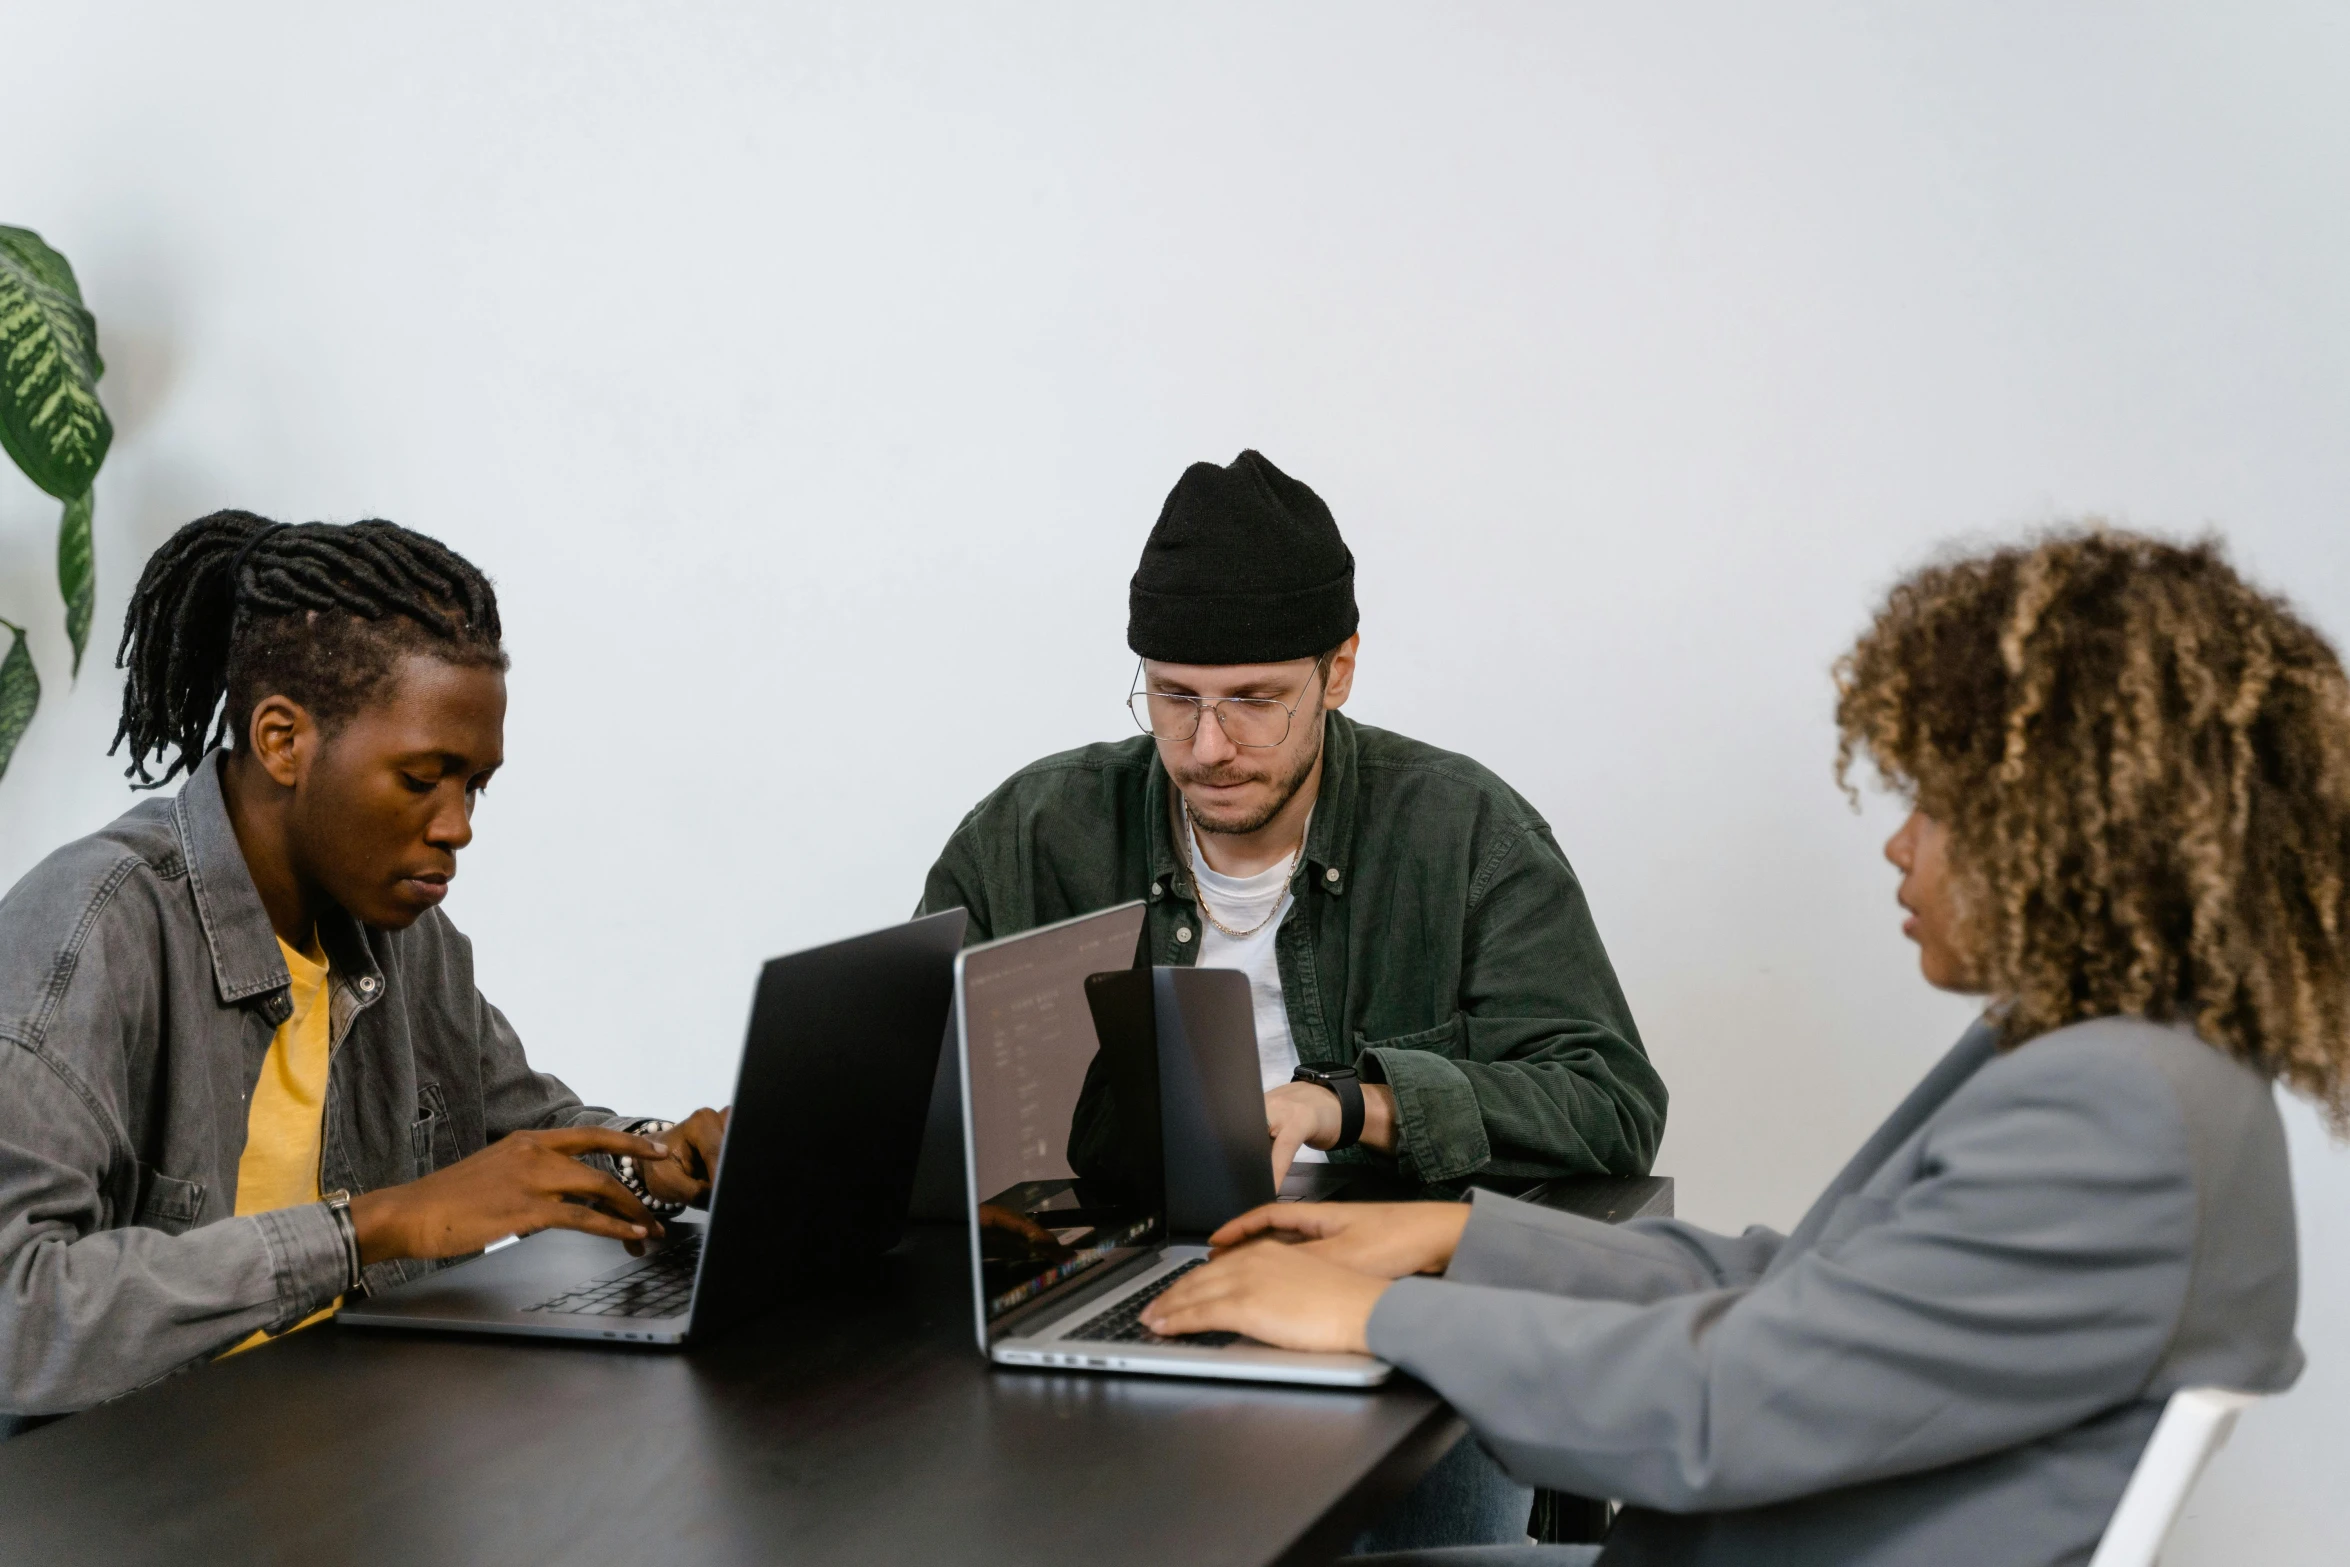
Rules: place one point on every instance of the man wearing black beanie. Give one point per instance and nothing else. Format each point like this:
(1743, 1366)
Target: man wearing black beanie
(1431, 994)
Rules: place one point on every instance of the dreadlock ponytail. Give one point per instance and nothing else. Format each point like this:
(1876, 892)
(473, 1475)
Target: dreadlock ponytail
(175, 642)
(235, 608)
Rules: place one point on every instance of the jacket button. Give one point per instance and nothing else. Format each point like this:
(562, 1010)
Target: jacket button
(1157, 888)
(1331, 874)
(367, 983)
(1183, 933)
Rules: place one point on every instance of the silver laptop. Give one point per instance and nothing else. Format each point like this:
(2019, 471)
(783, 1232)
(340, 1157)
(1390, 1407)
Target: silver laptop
(1112, 1118)
(814, 1176)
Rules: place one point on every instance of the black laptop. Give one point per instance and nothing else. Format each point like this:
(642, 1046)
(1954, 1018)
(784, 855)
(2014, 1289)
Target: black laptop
(814, 1177)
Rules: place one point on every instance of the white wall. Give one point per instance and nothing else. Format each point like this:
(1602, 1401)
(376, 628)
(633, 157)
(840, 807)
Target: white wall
(809, 378)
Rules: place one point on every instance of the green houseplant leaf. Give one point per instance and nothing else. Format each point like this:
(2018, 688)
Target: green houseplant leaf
(20, 693)
(77, 573)
(51, 421)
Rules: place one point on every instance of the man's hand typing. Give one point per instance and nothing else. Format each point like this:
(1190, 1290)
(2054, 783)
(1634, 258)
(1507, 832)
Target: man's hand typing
(685, 1176)
(1308, 1115)
(522, 1183)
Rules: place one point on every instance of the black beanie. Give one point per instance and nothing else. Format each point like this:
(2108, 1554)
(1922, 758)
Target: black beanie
(1245, 567)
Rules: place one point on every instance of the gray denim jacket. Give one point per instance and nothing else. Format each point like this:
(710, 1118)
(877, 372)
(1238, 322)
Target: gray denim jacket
(140, 984)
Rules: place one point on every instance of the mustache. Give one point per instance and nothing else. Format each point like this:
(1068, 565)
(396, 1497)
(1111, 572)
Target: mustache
(1220, 777)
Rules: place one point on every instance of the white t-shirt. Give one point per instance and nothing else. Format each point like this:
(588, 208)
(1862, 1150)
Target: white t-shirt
(1241, 902)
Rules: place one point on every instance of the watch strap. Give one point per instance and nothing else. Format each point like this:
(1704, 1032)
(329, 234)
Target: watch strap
(338, 1205)
(1348, 1086)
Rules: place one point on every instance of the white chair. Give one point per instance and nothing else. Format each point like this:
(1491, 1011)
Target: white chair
(2193, 1425)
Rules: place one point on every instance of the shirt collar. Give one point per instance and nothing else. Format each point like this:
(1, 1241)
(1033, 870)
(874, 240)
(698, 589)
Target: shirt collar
(1329, 833)
(245, 958)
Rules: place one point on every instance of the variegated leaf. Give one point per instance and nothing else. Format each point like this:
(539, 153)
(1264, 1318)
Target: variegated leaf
(77, 574)
(51, 421)
(44, 263)
(20, 693)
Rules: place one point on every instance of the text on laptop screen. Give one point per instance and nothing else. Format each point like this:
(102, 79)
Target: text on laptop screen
(1064, 1163)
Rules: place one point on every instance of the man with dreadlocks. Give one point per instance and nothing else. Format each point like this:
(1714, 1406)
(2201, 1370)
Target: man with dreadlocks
(244, 1069)
(2130, 780)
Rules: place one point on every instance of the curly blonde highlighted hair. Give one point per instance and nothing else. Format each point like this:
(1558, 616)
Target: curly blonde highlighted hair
(2143, 764)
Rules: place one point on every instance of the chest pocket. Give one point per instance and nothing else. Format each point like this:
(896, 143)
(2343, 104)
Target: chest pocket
(166, 1202)
(432, 1141)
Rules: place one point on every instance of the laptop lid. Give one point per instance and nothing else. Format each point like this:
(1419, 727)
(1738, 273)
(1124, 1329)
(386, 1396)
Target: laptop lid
(938, 1174)
(1049, 1167)
(1219, 1153)
(1181, 1047)
(818, 1162)
(938, 1179)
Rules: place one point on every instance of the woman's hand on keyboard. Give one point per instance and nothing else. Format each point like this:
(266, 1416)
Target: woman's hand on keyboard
(1384, 1239)
(1279, 1295)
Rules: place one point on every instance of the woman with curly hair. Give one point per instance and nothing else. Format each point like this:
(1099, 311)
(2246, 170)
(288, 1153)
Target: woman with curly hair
(2130, 773)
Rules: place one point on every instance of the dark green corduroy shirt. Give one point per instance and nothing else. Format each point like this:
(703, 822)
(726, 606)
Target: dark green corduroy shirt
(1439, 941)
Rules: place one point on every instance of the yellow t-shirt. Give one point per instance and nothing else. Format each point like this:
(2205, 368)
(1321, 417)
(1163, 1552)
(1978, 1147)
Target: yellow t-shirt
(285, 1127)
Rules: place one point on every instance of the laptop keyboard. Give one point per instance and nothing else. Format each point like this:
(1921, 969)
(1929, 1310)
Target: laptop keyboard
(656, 1286)
(1122, 1323)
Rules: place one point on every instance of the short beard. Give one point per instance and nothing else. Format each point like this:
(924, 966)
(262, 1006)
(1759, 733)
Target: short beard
(1284, 791)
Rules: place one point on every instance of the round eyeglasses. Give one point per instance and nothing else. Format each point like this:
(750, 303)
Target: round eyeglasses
(1254, 723)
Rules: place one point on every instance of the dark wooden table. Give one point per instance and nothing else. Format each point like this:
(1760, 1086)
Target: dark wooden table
(862, 1427)
(1608, 1199)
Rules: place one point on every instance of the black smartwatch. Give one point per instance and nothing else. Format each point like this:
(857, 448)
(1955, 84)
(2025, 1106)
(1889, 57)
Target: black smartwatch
(1347, 1084)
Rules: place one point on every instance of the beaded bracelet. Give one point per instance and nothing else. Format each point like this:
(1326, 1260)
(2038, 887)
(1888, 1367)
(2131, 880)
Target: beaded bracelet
(625, 1166)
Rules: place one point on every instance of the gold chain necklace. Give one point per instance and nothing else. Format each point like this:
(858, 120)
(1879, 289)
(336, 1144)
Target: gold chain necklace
(1199, 864)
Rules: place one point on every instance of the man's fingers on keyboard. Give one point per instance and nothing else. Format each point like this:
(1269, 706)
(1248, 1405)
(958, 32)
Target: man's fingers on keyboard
(594, 1221)
(658, 1288)
(570, 1178)
(572, 1141)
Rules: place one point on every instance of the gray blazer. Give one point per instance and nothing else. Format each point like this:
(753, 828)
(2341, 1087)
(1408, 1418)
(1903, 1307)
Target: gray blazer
(1956, 1357)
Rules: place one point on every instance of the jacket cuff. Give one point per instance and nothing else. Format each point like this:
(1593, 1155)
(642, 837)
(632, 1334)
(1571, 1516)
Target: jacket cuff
(1440, 1128)
(1411, 1310)
(597, 1115)
(1495, 1244)
(1518, 1245)
(308, 1266)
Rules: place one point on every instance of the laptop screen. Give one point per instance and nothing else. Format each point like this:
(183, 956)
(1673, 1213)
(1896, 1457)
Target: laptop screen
(1063, 1164)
